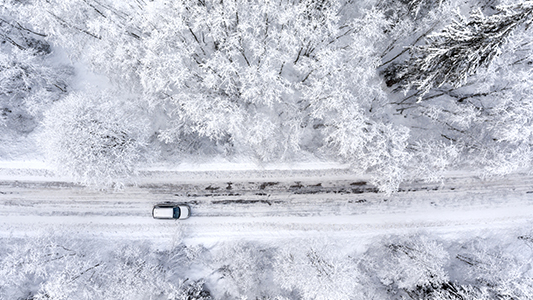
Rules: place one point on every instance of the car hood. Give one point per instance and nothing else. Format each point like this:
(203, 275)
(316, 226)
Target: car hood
(184, 212)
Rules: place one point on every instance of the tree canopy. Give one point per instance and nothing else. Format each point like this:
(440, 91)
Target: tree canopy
(395, 88)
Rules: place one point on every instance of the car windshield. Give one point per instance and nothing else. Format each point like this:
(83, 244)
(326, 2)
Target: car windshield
(176, 212)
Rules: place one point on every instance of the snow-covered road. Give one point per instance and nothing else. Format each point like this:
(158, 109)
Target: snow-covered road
(264, 209)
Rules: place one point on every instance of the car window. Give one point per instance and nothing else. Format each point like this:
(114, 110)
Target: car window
(176, 212)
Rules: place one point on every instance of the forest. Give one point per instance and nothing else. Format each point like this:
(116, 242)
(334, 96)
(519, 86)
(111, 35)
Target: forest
(399, 89)
(417, 266)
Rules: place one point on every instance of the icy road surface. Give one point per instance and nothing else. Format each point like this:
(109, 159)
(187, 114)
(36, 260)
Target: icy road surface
(263, 209)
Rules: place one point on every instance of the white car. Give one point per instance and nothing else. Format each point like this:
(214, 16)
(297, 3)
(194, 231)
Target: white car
(171, 211)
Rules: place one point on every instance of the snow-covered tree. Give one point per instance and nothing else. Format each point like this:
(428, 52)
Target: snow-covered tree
(44, 267)
(495, 269)
(30, 79)
(349, 103)
(244, 270)
(251, 73)
(461, 48)
(56, 266)
(271, 79)
(317, 270)
(432, 159)
(464, 292)
(470, 105)
(279, 80)
(407, 263)
(96, 138)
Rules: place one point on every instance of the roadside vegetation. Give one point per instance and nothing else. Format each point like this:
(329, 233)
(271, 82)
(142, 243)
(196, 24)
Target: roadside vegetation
(420, 266)
(399, 89)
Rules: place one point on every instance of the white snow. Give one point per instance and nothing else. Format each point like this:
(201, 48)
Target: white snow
(230, 166)
(25, 164)
(458, 204)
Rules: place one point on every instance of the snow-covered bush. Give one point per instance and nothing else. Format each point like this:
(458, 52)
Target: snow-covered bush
(96, 138)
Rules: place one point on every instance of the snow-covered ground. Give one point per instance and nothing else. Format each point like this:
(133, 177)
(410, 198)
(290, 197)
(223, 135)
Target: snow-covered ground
(267, 208)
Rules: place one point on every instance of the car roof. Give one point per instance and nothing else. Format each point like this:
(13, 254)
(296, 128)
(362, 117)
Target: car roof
(163, 212)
